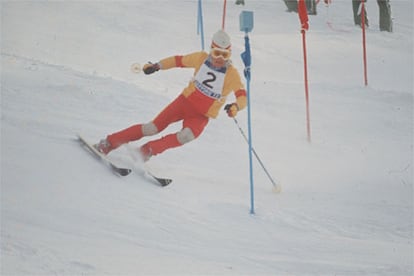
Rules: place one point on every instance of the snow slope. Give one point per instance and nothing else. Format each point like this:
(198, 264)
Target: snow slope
(347, 202)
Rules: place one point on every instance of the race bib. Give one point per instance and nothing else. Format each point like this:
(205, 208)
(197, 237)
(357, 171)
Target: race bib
(209, 81)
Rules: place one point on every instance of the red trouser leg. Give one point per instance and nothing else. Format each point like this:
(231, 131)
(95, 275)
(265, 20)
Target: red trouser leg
(160, 145)
(179, 110)
(132, 133)
(172, 113)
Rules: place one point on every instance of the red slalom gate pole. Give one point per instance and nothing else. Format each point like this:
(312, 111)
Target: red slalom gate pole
(224, 14)
(305, 65)
(364, 48)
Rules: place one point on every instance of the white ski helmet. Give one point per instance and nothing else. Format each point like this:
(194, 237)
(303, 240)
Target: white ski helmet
(221, 40)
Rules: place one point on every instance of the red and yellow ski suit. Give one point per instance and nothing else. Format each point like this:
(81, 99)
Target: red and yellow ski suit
(210, 107)
(202, 99)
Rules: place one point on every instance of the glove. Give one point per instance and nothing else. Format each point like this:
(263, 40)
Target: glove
(150, 68)
(231, 109)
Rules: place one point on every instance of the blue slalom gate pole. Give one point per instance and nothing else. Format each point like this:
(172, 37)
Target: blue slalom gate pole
(200, 28)
(246, 25)
(249, 133)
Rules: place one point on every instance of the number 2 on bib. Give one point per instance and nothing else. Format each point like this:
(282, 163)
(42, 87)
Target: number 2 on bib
(212, 79)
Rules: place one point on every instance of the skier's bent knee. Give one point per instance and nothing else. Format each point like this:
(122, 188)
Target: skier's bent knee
(149, 129)
(185, 135)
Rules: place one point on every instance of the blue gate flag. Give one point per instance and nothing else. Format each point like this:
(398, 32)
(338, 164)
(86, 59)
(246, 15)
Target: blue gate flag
(246, 21)
(246, 57)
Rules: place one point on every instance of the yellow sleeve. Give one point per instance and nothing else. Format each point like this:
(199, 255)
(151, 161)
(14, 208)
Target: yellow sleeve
(241, 98)
(238, 88)
(193, 60)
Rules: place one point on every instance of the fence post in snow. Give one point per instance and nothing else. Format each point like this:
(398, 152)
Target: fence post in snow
(246, 26)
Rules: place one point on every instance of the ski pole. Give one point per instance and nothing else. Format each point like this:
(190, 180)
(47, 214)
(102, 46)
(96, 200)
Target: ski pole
(255, 154)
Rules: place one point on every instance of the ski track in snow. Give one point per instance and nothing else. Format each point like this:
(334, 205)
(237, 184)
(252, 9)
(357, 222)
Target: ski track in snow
(346, 206)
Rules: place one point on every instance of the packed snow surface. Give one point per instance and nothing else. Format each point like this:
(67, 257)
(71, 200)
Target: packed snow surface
(346, 206)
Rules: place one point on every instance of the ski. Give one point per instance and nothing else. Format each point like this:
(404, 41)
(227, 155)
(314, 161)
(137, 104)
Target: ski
(143, 169)
(118, 170)
(162, 181)
(90, 148)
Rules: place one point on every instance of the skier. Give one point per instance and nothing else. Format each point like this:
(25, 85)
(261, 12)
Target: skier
(214, 79)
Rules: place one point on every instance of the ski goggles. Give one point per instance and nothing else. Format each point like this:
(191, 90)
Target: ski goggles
(216, 53)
